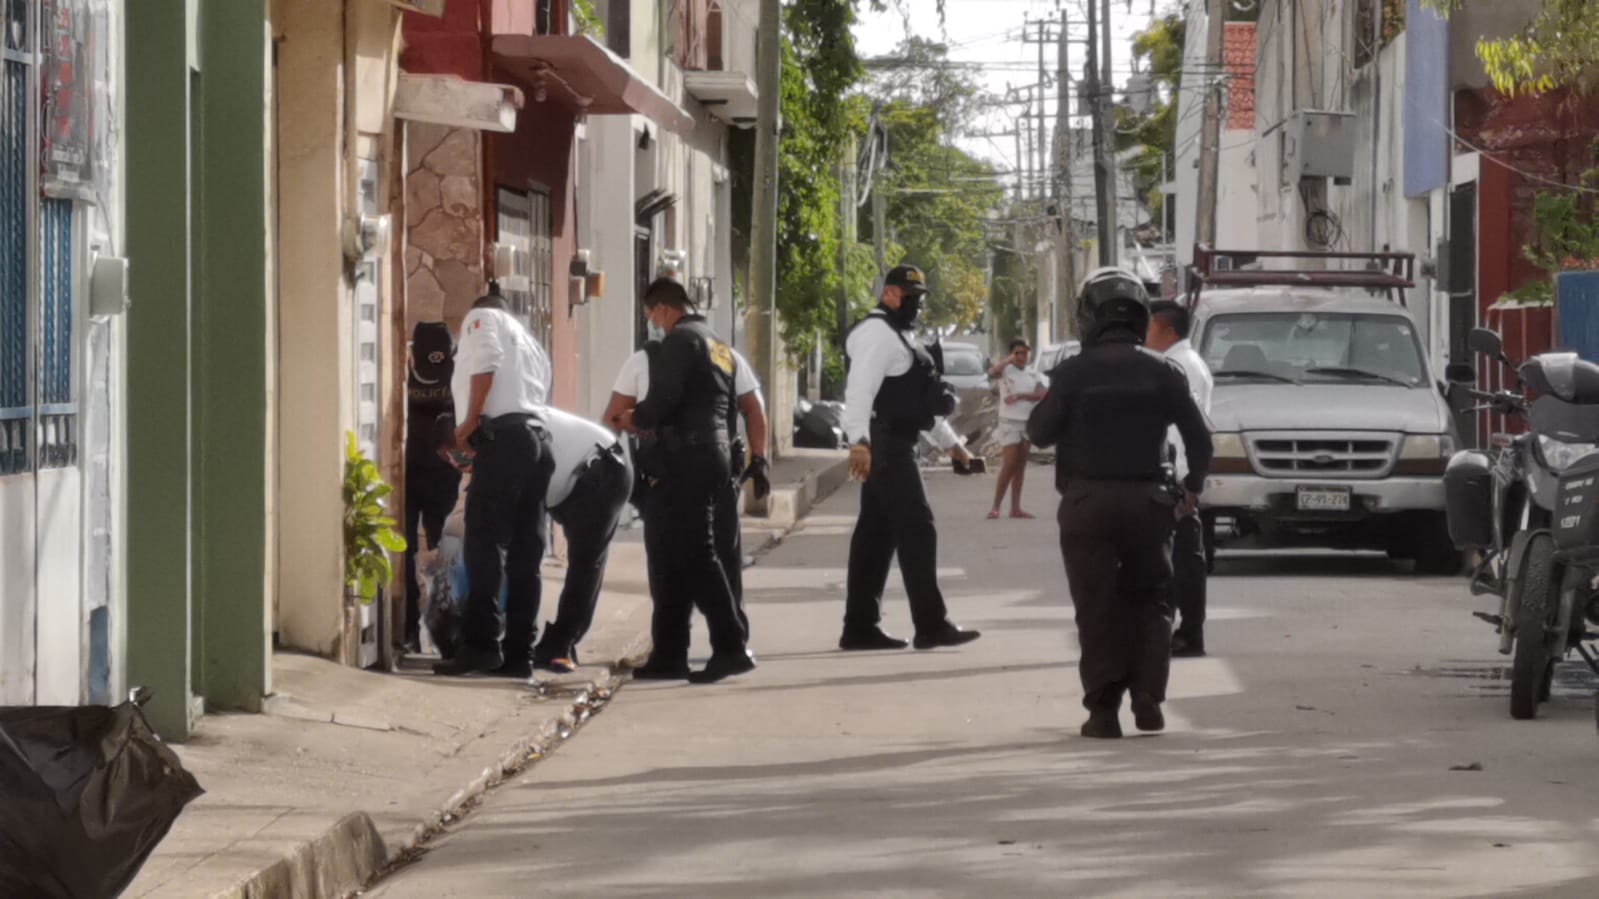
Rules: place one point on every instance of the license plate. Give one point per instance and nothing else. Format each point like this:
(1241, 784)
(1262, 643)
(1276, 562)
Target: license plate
(1322, 499)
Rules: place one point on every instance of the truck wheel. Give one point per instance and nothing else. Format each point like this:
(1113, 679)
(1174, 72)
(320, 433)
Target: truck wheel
(1537, 602)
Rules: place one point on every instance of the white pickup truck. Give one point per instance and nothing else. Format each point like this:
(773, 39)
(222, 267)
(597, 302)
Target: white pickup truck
(1329, 428)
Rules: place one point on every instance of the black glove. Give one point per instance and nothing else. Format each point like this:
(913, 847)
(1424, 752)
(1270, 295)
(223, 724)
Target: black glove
(759, 471)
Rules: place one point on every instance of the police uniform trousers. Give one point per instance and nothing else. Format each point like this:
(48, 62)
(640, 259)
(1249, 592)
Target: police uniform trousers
(430, 495)
(683, 558)
(505, 532)
(730, 546)
(895, 519)
(1115, 537)
(1189, 576)
(588, 517)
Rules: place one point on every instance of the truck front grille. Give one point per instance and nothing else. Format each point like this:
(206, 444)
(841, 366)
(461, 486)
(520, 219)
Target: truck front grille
(1323, 456)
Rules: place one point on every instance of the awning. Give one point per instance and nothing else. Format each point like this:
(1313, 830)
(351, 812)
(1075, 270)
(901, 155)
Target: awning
(448, 100)
(584, 74)
(730, 96)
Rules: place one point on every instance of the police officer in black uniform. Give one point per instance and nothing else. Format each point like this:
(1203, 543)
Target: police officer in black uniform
(432, 483)
(689, 406)
(892, 394)
(1109, 408)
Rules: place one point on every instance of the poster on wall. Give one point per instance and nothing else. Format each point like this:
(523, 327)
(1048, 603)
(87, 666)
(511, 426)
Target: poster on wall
(67, 158)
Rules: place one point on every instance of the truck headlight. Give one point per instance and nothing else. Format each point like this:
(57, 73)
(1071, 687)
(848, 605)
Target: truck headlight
(1228, 446)
(1427, 446)
(1424, 454)
(1228, 454)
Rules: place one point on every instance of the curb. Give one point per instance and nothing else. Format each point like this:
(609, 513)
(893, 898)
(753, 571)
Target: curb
(784, 508)
(349, 856)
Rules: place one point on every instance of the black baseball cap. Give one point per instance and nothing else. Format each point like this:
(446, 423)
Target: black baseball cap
(908, 278)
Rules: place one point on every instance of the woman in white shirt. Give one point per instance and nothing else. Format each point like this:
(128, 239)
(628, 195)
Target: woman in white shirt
(1019, 391)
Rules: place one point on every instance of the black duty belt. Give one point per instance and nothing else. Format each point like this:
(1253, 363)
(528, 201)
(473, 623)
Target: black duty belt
(674, 437)
(511, 419)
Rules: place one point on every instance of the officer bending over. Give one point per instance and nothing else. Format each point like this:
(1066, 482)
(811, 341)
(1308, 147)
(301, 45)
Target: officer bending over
(501, 385)
(1109, 408)
(590, 486)
(893, 393)
(689, 406)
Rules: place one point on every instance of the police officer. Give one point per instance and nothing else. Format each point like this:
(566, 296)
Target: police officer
(633, 383)
(893, 393)
(1169, 326)
(1109, 408)
(589, 486)
(501, 386)
(689, 406)
(432, 484)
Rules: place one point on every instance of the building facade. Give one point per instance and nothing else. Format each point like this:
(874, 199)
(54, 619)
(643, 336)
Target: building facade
(63, 613)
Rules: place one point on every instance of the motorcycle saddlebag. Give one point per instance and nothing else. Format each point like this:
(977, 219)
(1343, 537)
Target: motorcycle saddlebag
(1577, 510)
(1468, 497)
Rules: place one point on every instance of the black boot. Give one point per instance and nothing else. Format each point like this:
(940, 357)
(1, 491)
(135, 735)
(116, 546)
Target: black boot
(945, 635)
(868, 639)
(1102, 726)
(1187, 646)
(1147, 714)
(723, 665)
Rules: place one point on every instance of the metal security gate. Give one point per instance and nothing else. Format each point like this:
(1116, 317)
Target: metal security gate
(41, 261)
(522, 222)
(368, 368)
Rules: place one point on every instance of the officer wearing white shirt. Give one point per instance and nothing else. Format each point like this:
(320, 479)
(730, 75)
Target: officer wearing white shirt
(893, 392)
(589, 485)
(1169, 327)
(501, 385)
(633, 382)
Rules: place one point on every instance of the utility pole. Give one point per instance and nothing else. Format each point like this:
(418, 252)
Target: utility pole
(1104, 161)
(1043, 100)
(761, 326)
(879, 207)
(1107, 130)
(1065, 267)
(1210, 135)
(1045, 249)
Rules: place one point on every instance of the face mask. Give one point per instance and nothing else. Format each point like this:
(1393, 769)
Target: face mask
(910, 306)
(654, 331)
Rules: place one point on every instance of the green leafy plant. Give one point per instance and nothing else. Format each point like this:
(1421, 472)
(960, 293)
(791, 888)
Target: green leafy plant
(588, 22)
(369, 534)
(1566, 236)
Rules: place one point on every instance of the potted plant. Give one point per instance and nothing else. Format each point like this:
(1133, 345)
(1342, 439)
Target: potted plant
(369, 534)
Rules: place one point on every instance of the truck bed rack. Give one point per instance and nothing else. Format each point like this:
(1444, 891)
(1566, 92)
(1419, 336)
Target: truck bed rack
(1388, 272)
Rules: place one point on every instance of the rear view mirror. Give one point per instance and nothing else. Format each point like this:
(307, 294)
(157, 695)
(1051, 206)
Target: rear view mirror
(1460, 373)
(1484, 342)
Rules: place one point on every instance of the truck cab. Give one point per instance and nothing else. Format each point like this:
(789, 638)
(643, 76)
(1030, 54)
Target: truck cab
(1329, 429)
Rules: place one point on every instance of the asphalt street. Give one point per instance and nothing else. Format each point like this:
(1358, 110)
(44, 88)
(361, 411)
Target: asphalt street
(1348, 736)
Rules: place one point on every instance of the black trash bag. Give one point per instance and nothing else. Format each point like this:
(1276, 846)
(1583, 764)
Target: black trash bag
(86, 793)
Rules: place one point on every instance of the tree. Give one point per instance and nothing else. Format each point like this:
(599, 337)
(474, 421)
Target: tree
(1154, 133)
(1558, 48)
(936, 195)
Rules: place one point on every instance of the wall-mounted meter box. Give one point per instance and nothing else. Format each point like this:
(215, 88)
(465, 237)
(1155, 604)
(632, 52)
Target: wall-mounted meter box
(1319, 145)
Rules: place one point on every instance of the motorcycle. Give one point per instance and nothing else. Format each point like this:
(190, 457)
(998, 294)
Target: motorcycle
(1508, 509)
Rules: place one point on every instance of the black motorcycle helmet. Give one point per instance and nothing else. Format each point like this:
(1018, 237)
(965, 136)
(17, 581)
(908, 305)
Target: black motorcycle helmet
(1111, 299)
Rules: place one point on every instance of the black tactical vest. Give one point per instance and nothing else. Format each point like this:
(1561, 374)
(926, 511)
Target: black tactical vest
(910, 402)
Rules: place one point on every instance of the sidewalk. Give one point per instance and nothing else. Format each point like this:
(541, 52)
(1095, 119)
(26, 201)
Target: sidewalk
(348, 770)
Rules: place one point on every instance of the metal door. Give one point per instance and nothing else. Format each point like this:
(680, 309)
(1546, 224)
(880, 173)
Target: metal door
(522, 222)
(41, 484)
(368, 366)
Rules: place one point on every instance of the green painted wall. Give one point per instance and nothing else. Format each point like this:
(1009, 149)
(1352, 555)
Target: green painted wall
(197, 619)
(230, 362)
(159, 321)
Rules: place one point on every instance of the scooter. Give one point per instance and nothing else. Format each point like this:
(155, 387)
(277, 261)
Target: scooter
(1505, 508)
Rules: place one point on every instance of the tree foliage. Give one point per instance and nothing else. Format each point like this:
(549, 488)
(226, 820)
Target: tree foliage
(1160, 47)
(936, 194)
(1558, 48)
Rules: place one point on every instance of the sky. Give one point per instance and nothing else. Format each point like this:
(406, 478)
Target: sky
(988, 34)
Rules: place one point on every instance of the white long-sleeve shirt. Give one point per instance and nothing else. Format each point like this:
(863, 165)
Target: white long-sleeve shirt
(1200, 383)
(877, 352)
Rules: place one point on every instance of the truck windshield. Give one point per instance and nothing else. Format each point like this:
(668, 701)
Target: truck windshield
(1315, 347)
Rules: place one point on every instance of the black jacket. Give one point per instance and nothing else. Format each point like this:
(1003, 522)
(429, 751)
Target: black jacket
(691, 381)
(1108, 408)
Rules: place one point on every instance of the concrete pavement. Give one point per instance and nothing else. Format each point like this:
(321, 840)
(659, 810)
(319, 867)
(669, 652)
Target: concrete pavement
(348, 770)
(1348, 737)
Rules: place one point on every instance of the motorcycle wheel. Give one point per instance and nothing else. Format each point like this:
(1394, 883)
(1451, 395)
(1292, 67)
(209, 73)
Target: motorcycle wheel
(1539, 600)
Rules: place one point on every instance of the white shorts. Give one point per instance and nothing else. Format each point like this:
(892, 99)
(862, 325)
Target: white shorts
(1010, 432)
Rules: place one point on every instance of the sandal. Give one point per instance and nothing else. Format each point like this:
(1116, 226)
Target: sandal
(993, 514)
